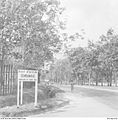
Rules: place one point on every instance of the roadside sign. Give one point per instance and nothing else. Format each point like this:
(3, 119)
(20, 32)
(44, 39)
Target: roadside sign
(26, 76)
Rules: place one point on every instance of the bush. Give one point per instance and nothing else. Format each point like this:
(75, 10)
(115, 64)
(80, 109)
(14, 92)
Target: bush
(52, 94)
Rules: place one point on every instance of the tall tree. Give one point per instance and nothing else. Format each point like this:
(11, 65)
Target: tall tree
(34, 26)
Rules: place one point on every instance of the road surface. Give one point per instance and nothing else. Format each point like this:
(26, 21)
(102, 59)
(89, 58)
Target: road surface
(87, 102)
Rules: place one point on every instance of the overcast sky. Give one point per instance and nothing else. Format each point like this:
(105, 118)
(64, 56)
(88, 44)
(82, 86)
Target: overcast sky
(94, 16)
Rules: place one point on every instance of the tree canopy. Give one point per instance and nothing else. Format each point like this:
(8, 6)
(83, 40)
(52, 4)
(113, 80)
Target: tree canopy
(98, 62)
(30, 30)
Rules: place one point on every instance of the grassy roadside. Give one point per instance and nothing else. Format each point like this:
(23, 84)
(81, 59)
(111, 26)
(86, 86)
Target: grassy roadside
(49, 97)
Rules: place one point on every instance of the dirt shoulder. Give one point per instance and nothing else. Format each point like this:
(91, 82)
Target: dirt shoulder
(46, 101)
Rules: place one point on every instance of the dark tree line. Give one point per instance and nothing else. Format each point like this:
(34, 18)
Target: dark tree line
(98, 63)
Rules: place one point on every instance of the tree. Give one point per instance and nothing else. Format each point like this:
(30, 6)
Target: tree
(77, 59)
(60, 71)
(109, 55)
(33, 26)
(97, 62)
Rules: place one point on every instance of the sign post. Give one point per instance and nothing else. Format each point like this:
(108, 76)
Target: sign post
(21, 99)
(26, 76)
(18, 89)
(36, 92)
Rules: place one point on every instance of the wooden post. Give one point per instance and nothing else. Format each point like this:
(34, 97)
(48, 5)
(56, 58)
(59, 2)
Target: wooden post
(5, 78)
(12, 80)
(9, 79)
(3, 73)
(18, 94)
(21, 95)
(36, 91)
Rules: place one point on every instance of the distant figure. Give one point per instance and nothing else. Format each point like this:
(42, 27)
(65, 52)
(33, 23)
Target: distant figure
(72, 86)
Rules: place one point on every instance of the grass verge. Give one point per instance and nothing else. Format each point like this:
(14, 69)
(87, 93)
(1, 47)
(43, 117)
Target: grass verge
(49, 97)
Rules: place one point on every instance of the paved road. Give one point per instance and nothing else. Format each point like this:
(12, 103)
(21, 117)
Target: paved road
(87, 102)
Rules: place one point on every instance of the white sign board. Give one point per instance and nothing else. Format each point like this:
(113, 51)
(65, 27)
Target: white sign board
(29, 76)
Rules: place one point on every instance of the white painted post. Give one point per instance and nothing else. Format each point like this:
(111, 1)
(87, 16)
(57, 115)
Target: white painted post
(36, 90)
(18, 94)
(21, 94)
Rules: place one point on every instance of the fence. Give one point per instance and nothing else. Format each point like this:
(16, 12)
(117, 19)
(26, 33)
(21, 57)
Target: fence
(6, 79)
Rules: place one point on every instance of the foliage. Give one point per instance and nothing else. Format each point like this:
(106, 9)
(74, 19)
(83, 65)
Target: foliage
(30, 30)
(60, 71)
(98, 62)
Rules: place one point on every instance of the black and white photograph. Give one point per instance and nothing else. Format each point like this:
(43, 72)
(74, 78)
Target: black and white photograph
(58, 59)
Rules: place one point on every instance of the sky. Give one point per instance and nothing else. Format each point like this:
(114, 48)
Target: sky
(94, 16)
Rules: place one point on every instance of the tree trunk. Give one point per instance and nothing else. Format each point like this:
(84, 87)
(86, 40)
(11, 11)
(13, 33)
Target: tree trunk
(115, 74)
(96, 82)
(89, 79)
(111, 76)
(101, 81)
(78, 79)
(107, 77)
(110, 84)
